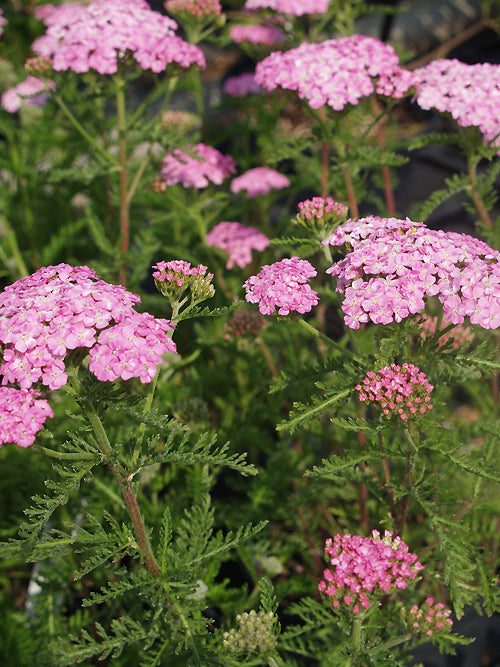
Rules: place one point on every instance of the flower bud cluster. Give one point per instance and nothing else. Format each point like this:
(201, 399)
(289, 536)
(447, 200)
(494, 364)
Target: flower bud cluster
(197, 8)
(320, 214)
(196, 169)
(429, 619)
(399, 390)
(259, 181)
(176, 277)
(283, 285)
(244, 324)
(254, 635)
(365, 568)
(238, 241)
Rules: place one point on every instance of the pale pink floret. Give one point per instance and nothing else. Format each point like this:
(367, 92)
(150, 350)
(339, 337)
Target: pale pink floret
(283, 285)
(336, 72)
(31, 91)
(256, 33)
(101, 34)
(364, 568)
(259, 181)
(292, 7)
(238, 241)
(62, 308)
(22, 415)
(470, 93)
(242, 85)
(319, 207)
(196, 169)
(392, 265)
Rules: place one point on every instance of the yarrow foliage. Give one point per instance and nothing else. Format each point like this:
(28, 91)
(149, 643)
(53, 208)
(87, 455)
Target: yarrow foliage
(366, 567)
(392, 265)
(259, 181)
(196, 169)
(31, 91)
(470, 93)
(256, 33)
(336, 72)
(429, 619)
(62, 308)
(399, 390)
(283, 285)
(238, 241)
(22, 415)
(242, 85)
(292, 7)
(103, 33)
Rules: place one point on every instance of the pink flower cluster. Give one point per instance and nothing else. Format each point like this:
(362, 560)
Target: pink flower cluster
(458, 336)
(22, 415)
(173, 278)
(399, 390)
(392, 265)
(292, 7)
(318, 207)
(99, 35)
(470, 93)
(283, 285)
(242, 85)
(259, 181)
(429, 619)
(256, 33)
(336, 72)
(238, 241)
(244, 324)
(31, 91)
(3, 21)
(196, 169)
(198, 8)
(364, 567)
(61, 308)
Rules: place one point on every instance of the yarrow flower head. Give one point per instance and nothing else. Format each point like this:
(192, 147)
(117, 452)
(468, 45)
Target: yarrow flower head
(392, 265)
(259, 181)
(320, 214)
(283, 285)
(255, 633)
(176, 277)
(403, 390)
(336, 72)
(3, 21)
(242, 85)
(32, 91)
(431, 618)
(238, 241)
(196, 169)
(292, 7)
(196, 8)
(470, 93)
(365, 568)
(256, 33)
(22, 415)
(103, 33)
(62, 308)
(244, 324)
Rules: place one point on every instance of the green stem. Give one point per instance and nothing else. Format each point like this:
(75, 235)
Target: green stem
(68, 456)
(76, 123)
(122, 156)
(142, 427)
(476, 198)
(392, 643)
(357, 626)
(318, 334)
(14, 247)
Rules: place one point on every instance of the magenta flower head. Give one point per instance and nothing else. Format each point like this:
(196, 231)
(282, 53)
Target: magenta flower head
(283, 285)
(320, 214)
(256, 33)
(238, 241)
(104, 33)
(242, 85)
(366, 568)
(403, 391)
(22, 415)
(292, 7)
(196, 169)
(429, 619)
(392, 265)
(336, 72)
(259, 181)
(61, 308)
(469, 93)
(31, 91)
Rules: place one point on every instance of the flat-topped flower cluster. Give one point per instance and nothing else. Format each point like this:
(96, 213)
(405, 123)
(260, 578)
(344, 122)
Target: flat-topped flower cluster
(283, 285)
(238, 241)
(99, 35)
(32, 91)
(198, 168)
(197, 8)
(366, 567)
(259, 181)
(392, 265)
(22, 415)
(399, 390)
(242, 85)
(292, 7)
(336, 72)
